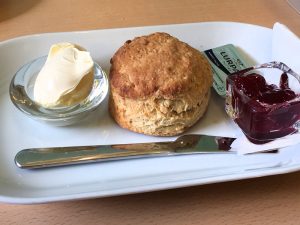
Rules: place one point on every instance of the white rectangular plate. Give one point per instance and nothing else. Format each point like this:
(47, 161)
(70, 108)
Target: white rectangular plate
(128, 176)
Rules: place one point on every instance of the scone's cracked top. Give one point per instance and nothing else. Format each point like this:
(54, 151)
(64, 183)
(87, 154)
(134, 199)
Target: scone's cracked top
(158, 64)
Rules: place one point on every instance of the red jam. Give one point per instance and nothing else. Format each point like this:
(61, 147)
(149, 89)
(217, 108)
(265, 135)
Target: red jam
(224, 143)
(263, 111)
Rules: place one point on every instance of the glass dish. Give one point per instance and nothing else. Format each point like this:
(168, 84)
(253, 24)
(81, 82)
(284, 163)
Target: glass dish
(263, 111)
(21, 94)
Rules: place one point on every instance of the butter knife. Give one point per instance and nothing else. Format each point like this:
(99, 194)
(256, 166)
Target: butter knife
(58, 156)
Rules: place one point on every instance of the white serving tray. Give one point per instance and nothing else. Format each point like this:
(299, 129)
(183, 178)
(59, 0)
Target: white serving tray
(129, 176)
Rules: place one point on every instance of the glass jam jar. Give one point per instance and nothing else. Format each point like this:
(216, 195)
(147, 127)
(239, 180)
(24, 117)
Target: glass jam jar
(263, 111)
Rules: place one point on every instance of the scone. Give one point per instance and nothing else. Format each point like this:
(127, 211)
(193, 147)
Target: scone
(158, 85)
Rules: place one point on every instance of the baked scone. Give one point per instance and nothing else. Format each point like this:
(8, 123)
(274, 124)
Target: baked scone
(158, 85)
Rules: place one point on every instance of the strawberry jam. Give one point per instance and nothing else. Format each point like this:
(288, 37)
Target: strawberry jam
(263, 111)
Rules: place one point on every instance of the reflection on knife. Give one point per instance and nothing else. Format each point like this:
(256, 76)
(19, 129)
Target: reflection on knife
(58, 156)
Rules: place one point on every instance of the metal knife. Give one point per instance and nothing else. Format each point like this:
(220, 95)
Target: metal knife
(58, 156)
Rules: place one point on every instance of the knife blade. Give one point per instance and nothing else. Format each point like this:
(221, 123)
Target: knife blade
(34, 158)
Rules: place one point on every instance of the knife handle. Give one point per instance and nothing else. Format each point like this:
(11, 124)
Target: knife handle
(58, 156)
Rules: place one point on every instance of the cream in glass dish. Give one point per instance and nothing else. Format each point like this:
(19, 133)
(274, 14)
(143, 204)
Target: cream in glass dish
(66, 78)
(61, 88)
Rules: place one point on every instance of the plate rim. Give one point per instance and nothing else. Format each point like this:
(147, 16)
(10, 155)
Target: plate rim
(37, 35)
